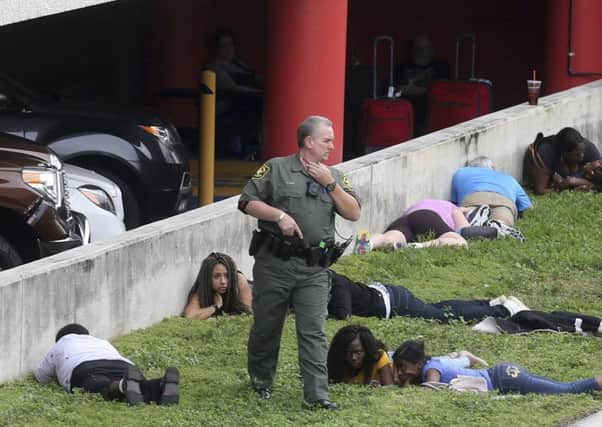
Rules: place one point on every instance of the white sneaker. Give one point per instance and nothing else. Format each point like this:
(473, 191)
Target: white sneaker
(514, 305)
(498, 301)
(487, 325)
(479, 216)
(504, 230)
(517, 303)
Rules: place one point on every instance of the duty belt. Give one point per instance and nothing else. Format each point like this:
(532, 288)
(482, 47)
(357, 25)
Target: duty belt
(324, 254)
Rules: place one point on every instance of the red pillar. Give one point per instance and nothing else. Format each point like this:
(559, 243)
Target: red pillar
(305, 71)
(586, 36)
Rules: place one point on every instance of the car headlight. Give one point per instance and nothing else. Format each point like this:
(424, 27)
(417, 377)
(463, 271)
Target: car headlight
(161, 133)
(99, 197)
(46, 181)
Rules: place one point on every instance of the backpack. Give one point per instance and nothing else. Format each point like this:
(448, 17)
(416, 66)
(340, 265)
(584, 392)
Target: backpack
(532, 161)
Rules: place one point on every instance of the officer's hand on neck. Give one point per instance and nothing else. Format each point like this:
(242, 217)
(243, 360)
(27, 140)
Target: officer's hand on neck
(318, 171)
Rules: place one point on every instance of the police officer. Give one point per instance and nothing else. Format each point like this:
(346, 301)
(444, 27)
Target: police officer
(295, 198)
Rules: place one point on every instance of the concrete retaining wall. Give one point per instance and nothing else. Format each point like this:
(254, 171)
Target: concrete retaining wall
(145, 275)
(19, 10)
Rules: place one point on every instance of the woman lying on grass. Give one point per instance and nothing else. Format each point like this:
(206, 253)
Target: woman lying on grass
(413, 366)
(356, 357)
(444, 220)
(219, 287)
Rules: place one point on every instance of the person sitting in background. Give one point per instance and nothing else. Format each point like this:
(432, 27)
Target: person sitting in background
(480, 184)
(562, 162)
(413, 366)
(239, 91)
(356, 357)
(440, 218)
(219, 287)
(80, 360)
(415, 76)
(349, 298)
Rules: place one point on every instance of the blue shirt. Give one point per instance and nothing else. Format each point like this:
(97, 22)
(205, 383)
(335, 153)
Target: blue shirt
(450, 369)
(470, 180)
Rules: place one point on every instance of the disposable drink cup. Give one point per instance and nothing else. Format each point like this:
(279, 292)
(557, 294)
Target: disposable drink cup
(533, 88)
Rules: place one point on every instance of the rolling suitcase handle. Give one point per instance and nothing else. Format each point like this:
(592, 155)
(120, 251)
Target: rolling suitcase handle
(377, 40)
(473, 40)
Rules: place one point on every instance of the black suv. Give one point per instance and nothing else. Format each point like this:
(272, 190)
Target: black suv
(139, 151)
(36, 220)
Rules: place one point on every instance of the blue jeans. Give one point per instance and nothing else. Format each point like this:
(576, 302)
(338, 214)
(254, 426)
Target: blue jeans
(511, 378)
(404, 303)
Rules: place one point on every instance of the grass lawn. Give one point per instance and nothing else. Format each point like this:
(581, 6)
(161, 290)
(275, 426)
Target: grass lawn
(558, 267)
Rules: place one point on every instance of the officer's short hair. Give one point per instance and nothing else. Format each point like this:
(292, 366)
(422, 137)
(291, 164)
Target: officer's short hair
(481, 162)
(309, 126)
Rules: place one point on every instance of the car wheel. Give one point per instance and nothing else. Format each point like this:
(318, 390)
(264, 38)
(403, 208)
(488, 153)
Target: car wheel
(9, 257)
(131, 206)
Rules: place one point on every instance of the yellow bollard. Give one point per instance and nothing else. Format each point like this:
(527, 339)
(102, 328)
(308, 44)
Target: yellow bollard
(207, 140)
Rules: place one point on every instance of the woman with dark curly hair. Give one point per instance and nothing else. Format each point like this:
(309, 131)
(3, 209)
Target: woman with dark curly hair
(219, 287)
(356, 357)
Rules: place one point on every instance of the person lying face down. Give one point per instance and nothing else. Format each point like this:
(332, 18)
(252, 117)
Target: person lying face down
(348, 298)
(80, 360)
(219, 287)
(479, 183)
(444, 220)
(413, 366)
(355, 356)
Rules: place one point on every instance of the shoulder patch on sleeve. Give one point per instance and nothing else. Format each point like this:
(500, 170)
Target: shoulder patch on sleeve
(261, 172)
(346, 183)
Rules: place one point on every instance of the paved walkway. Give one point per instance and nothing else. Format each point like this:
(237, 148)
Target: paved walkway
(594, 420)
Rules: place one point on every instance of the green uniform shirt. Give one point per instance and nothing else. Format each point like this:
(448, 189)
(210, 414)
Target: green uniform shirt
(283, 183)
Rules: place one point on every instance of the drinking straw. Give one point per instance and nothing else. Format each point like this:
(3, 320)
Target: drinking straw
(534, 75)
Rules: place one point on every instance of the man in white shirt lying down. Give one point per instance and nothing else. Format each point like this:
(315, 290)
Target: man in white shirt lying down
(80, 360)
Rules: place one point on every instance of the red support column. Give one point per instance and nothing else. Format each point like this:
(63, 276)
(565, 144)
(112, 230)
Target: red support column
(305, 70)
(586, 38)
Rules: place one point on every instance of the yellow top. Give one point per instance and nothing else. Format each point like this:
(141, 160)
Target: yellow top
(382, 361)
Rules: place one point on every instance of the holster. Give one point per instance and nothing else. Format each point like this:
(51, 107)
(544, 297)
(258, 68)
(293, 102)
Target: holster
(324, 254)
(284, 249)
(313, 255)
(258, 240)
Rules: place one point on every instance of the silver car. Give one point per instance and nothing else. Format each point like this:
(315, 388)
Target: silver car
(96, 204)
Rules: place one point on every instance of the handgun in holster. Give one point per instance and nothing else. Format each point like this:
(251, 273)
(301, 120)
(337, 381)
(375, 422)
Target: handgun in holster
(258, 240)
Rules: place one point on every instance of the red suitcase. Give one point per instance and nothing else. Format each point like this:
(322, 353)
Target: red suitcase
(385, 121)
(453, 101)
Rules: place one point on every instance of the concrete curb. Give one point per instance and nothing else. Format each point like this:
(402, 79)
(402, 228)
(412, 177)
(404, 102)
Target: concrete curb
(594, 420)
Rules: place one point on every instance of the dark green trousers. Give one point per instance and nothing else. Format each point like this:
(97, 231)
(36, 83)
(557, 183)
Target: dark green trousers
(277, 284)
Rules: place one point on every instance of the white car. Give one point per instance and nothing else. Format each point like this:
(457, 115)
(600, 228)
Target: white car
(96, 204)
